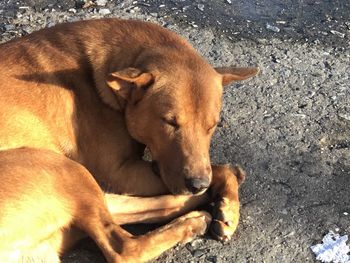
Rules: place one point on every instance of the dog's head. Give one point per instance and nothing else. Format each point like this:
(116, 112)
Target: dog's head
(173, 103)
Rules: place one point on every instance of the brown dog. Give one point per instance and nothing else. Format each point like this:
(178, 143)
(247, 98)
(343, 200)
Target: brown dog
(79, 103)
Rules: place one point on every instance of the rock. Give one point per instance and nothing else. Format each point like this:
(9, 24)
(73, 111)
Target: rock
(185, 8)
(88, 4)
(262, 40)
(272, 28)
(79, 4)
(284, 212)
(344, 113)
(101, 2)
(104, 11)
(347, 25)
(198, 253)
(27, 29)
(213, 259)
(9, 27)
(195, 244)
(50, 24)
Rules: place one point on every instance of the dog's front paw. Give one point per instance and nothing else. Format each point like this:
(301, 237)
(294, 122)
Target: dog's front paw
(226, 208)
(193, 224)
(226, 217)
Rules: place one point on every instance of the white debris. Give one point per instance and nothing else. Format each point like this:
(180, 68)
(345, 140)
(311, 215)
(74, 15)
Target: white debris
(333, 249)
(281, 22)
(200, 7)
(229, 1)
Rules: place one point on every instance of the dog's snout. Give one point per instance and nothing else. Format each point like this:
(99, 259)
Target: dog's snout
(196, 185)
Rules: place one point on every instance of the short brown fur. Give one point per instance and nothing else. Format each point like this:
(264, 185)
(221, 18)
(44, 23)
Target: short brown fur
(79, 103)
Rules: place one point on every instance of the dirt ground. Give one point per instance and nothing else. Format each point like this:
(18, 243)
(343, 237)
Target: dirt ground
(289, 127)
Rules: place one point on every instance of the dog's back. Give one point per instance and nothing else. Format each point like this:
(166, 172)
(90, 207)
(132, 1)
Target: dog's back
(50, 77)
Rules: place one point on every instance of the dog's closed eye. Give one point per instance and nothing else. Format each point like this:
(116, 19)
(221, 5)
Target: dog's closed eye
(172, 122)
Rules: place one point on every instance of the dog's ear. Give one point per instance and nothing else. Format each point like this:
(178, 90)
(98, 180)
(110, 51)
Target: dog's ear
(130, 83)
(239, 173)
(230, 74)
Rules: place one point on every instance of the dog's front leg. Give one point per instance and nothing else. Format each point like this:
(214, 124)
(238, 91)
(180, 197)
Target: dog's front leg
(224, 191)
(136, 178)
(141, 181)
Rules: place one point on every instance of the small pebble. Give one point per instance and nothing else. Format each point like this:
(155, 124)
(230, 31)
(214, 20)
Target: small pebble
(272, 28)
(185, 8)
(196, 243)
(9, 27)
(198, 253)
(212, 259)
(72, 10)
(104, 11)
(101, 2)
(347, 25)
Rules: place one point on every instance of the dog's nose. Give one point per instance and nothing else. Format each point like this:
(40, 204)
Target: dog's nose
(195, 185)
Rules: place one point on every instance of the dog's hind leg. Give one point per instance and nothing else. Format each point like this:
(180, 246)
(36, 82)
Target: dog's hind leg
(50, 192)
(120, 246)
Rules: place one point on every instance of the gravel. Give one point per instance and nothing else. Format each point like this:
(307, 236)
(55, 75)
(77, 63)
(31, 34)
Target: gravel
(289, 127)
